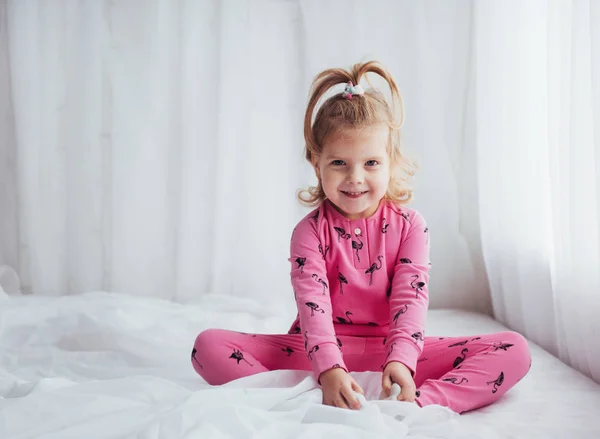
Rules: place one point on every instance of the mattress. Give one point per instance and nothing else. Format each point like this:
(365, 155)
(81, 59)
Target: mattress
(106, 365)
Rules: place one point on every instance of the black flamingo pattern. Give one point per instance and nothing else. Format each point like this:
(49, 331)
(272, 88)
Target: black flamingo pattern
(384, 226)
(417, 336)
(420, 360)
(405, 216)
(453, 380)
(194, 358)
(460, 359)
(503, 346)
(300, 262)
(459, 343)
(342, 280)
(399, 313)
(315, 348)
(357, 245)
(418, 286)
(323, 253)
(343, 320)
(339, 342)
(341, 233)
(296, 330)
(418, 393)
(374, 267)
(237, 354)
(497, 382)
(405, 261)
(289, 351)
(316, 216)
(321, 281)
(314, 307)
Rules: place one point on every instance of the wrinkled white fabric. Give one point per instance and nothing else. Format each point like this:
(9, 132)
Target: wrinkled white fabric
(102, 365)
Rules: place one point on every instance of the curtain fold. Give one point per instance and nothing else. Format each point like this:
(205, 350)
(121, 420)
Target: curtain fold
(538, 151)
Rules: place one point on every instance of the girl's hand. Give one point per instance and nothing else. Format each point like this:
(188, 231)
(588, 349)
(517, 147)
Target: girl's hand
(338, 389)
(396, 372)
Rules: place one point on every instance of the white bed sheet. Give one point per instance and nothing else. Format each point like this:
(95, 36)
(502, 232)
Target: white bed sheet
(103, 365)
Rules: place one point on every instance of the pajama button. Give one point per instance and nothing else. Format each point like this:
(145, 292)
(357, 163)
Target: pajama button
(357, 231)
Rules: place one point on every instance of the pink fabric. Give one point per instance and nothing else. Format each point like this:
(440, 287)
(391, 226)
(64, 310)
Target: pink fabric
(361, 289)
(461, 373)
(361, 277)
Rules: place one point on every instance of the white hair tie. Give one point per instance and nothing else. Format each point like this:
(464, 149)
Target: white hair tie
(351, 90)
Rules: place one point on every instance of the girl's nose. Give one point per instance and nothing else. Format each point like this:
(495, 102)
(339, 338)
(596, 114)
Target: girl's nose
(356, 176)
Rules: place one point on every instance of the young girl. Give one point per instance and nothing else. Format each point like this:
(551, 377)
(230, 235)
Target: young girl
(360, 272)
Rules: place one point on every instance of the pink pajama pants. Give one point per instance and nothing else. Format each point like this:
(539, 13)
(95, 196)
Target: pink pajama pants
(461, 373)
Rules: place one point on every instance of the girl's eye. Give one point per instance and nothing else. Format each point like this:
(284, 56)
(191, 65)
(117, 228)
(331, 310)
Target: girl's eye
(337, 162)
(372, 163)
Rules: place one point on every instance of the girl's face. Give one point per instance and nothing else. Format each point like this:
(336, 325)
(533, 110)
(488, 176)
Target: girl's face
(354, 169)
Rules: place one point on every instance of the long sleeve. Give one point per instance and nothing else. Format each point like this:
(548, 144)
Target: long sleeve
(409, 297)
(311, 290)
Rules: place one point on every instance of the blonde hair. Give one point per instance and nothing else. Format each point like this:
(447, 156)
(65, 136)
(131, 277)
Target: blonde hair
(338, 114)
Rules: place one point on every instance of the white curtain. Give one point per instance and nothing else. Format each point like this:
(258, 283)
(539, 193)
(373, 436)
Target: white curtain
(537, 121)
(154, 147)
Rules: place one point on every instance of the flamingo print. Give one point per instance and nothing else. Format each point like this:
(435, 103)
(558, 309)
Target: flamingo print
(374, 267)
(339, 342)
(321, 281)
(357, 245)
(418, 286)
(341, 233)
(503, 346)
(239, 357)
(453, 380)
(405, 216)
(497, 382)
(306, 340)
(459, 343)
(289, 351)
(343, 320)
(300, 262)
(384, 226)
(324, 254)
(316, 216)
(417, 336)
(405, 261)
(314, 307)
(399, 313)
(314, 349)
(422, 359)
(342, 280)
(460, 359)
(194, 358)
(427, 232)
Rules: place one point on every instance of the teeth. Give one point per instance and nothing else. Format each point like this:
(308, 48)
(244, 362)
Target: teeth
(354, 193)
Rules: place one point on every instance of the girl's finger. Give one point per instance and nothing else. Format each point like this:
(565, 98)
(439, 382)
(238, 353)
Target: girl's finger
(357, 388)
(386, 385)
(340, 403)
(350, 398)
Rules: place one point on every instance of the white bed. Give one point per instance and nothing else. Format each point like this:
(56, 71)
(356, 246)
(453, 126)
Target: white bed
(103, 365)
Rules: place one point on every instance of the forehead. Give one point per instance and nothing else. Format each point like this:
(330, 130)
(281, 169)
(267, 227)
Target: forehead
(371, 140)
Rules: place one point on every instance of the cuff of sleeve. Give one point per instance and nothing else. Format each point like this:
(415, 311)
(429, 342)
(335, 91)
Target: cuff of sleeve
(327, 357)
(405, 352)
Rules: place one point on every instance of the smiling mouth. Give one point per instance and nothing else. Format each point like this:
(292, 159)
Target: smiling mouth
(354, 194)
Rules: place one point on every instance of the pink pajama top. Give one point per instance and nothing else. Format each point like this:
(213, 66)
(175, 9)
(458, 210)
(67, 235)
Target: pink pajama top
(363, 277)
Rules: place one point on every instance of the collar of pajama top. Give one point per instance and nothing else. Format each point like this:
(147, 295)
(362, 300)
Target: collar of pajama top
(363, 277)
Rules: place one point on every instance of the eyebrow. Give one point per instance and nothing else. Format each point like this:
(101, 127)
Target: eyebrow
(376, 157)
